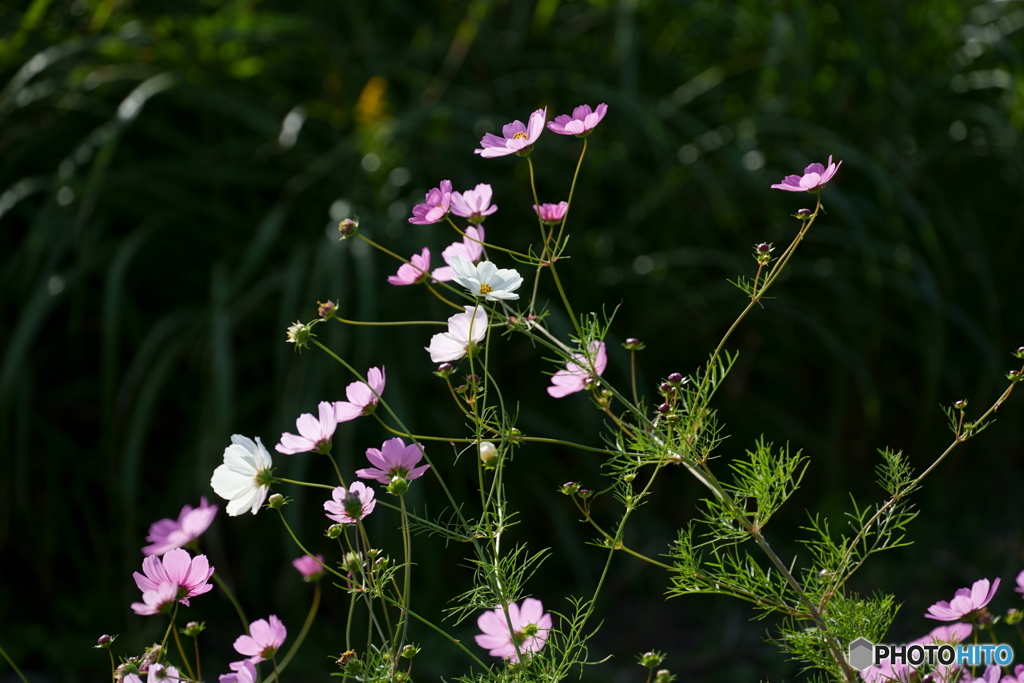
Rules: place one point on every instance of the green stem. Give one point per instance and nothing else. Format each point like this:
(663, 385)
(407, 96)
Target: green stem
(233, 600)
(305, 483)
(406, 599)
(25, 680)
(305, 628)
(184, 658)
(572, 189)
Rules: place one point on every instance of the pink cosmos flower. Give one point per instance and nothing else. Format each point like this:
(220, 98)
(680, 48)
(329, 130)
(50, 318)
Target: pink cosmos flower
(394, 459)
(186, 575)
(469, 247)
(315, 434)
(948, 633)
(158, 600)
(348, 507)
(814, 178)
(518, 138)
(465, 331)
(154, 674)
(887, 672)
(578, 372)
(551, 213)
(264, 639)
(1017, 677)
(414, 272)
(1020, 583)
(168, 534)
(436, 204)
(474, 204)
(530, 627)
(993, 674)
(362, 397)
(244, 672)
(583, 120)
(965, 603)
(310, 568)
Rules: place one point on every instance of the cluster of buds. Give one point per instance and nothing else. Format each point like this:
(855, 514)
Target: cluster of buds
(470, 390)
(669, 389)
(571, 488)
(763, 253)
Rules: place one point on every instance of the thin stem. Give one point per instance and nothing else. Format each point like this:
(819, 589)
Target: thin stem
(443, 300)
(305, 628)
(406, 599)
(632, 375)
(488, 245)
(25, 680)
(232, 599)
(199, 665)
(304, 483)
(572, 189)
(389, 324)
(181, 652)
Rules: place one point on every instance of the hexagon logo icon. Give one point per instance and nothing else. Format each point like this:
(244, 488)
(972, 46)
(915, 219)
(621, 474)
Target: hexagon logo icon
(861, 654)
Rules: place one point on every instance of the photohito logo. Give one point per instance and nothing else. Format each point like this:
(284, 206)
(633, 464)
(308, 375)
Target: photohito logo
(863, 653)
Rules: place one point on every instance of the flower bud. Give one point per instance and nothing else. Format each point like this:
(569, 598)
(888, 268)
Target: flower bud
(1013, 616)
(677, 379)
(194, 628)
(347, 228)
(1020, 352)
(276, 501)
(803, 214)
(633, 344)
(513, 435)
(569, 488)
(488, 453)
(398, 486)
(663, 676)
(665, 388)
(300, 334)
(664, 409)
(651, 659)
(584, 493)
(1013, 375)
(409, 651)
(961, 404)
(352, 562)
(326, 309)
(444, 370)
(104, 641)
(334, 530)
(472, 379)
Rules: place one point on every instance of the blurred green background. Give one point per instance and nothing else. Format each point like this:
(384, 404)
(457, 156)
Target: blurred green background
(171, 175)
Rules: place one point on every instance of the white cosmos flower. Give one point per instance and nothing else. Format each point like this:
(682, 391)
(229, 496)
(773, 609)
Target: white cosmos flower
(244, 478)
(465, 330)
(486, 279)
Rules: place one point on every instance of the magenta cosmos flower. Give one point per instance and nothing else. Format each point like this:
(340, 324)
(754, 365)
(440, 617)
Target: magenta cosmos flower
(551, 213)
(435, 205)
(414, 272)
(311, 568)
(168, 534)
(518, 138)
(394, 459)
(314, 434)
(578, 372)
(350, 506)
(814, 178)
(177, 574)
(966, 603)
(530, 627)
(465, 331)
(244, 672)
(474, 204)
(469, 247)
(264, 639)
(583, 120)
(362, 397)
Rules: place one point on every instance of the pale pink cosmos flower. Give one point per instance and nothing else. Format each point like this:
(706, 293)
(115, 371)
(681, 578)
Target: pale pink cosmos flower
(314, 434)
(168, 534)
(350, 506)
(158, 600)
(362, 397)
(155, 673)
(394, 459)
(530, 628)
(518, 139)
(188, 576)
(965, 603)
(947, 633)
(244, 672)
(581, 123)
(474, 204)
(437, 203)
(551, 213)
(887, 672)
(814, 178)
(578, 372)
(465, 331)
(1020, 583)
(469, 247)
(311, 568)
(264, 639)
(414, 272)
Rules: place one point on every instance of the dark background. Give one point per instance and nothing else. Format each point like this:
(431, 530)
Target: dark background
(164, 219)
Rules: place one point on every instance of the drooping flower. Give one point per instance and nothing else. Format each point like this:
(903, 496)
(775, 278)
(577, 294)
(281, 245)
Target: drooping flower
(966, 603)
(350, 506)
(244, 672)
(518, 139)
(393, 459)
(579, 372)
(474, 204)
(362, 396)
(530, 628)
(187, 576)
(465, 331)
(245, 477)
(168, 534)
(486, 279)
(581, 123)
(311, 568)
(435, 207)
(314, 434)
(414, 272)
(469, 247)
(264, 639)
(551, 213)
(814, 178)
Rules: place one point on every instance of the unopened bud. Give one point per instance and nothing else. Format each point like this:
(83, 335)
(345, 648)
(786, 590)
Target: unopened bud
(665, 388)
(803, 214)
(276, 501)
(194, 628)
(633, 344)
(472, 379)
(1013, 375)
(334, 530)
(584, 493)
(398, 486)
(409, 651)
(569, 488)
(326, 309)
(488, 452)
(961, 404)
(444, 370)
(675, 378)
(299, 334)
(664, 409)
(663, 676)
(347, 228)
(104, 641)
(651, 659)
(1020, 352)
(1013, 616)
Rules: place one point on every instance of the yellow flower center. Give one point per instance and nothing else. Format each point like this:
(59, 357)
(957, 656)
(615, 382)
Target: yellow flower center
(486, 288)
(519, 135)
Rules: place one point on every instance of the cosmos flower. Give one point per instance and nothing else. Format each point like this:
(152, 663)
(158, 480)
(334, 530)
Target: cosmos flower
(965, 603)
(311, 568)
(530, 627)
(315, 435)
(474, 204)
(168, 534)
(551, 213)
(414, 272)
(465, 331)
(518, 139)
(469, 247)
(394, 459)
(264, 639)
(362, 397)
(187, 577)
(486, 279)
(578, 372)
(350, 506)
(814, 178)
(437, 203)
(244, 478)
(581, 123)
